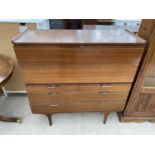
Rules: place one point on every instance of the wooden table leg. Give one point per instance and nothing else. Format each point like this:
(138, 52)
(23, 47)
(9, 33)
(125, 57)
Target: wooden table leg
(106, 114)
(9, 119)
(49, 119)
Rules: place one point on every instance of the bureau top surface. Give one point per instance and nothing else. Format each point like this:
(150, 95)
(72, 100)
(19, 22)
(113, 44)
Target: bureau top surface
(110, 36)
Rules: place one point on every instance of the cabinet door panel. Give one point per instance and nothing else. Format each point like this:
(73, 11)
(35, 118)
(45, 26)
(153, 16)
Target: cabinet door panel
(146, 104)
(78, 64)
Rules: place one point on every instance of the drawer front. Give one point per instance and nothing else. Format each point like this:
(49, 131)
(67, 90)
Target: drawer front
(101, 96)
(52, 88)
(77, 97)
(75, 88)
(105, 87)
(78, 64)
(81, 106)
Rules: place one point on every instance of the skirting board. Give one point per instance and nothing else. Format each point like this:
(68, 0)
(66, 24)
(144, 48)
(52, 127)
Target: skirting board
(134, 119)
(15, 93)
(12, 93)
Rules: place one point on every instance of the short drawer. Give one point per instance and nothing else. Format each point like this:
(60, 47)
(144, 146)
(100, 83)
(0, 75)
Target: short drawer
(55, 88)
(105, 87)
(80, 106)
(104, 95)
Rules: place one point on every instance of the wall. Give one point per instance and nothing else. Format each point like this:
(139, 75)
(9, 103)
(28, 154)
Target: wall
(7, 32)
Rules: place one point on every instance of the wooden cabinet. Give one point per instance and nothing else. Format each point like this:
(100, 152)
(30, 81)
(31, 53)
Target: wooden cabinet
(77, 70)
(141, 103)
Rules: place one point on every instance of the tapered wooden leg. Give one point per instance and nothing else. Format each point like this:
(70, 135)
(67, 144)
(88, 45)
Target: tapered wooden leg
(49, 119)
(10, 119)
(106, 114)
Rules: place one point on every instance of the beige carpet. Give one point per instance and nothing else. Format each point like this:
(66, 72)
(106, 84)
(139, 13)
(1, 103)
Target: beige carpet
(67, 123)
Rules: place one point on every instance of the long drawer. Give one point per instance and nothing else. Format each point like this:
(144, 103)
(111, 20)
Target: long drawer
(46, 98)
(72, 88)
(54, 107)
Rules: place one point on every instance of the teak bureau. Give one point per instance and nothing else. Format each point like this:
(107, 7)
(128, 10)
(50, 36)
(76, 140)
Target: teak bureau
(78, 70)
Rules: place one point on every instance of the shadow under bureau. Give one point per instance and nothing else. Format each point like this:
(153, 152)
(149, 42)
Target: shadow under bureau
(78, 70)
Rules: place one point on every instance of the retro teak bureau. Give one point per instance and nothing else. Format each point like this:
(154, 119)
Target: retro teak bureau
(78, 70)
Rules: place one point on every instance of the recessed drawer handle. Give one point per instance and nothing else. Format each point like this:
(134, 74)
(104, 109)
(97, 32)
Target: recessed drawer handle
(106, 85)
(54, 105)
(103, 92)
(52, 86)
(53, 94)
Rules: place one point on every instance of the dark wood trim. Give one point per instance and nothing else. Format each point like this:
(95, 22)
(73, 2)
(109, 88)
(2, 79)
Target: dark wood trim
(123, 118)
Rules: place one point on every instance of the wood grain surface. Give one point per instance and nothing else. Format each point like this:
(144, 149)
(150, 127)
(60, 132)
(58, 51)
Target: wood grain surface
(76, 64)
(77, 37)
(76, 70)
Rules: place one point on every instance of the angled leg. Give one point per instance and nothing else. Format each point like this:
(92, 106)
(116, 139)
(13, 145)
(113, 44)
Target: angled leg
(10, 119)
(49, 119)
(106, 114)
